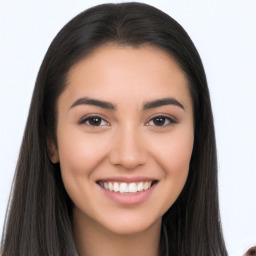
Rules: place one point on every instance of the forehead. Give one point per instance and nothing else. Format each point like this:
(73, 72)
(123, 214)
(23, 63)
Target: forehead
(112, 71)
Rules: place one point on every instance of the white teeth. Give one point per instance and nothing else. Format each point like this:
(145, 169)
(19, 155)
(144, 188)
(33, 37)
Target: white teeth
(110, 186)
(133, 188)
(145, 186)
(123, 188)
(105, 185)
(140, 186)
(116, 187)
(126, 187)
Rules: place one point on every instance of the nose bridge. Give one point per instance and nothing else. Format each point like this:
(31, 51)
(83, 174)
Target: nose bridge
(128, 148)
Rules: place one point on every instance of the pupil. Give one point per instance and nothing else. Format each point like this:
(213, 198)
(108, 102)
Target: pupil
(159, 121)
(95, 121)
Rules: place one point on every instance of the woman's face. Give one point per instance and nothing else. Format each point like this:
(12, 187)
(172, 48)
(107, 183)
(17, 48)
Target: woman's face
(124, 136)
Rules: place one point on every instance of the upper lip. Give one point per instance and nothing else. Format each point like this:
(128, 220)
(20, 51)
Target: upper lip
(126, 179)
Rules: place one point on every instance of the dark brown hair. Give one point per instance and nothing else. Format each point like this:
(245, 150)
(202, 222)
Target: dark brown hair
(39, 215)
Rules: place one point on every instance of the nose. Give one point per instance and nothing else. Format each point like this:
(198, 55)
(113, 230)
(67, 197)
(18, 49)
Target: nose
(128, 149)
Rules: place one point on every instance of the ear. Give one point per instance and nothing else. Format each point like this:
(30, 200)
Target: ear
(53, 152)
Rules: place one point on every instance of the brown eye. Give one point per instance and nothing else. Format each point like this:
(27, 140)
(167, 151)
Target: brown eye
(161, 121)
(94, 121)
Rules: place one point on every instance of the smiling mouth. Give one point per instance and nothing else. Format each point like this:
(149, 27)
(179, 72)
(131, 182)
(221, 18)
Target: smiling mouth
(126, 187)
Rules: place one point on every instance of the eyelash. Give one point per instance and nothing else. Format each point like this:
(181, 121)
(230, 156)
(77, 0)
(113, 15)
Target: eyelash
(164, 121)
(90, 118)
(164, 118)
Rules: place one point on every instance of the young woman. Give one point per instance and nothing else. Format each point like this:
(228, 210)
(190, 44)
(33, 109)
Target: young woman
(118, 155)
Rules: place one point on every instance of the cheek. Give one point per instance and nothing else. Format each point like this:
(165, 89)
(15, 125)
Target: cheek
(173, 153)
(79, 153)
(176, 162)
(79, 156)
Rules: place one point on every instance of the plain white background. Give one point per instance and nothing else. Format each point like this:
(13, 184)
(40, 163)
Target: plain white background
(224, 33)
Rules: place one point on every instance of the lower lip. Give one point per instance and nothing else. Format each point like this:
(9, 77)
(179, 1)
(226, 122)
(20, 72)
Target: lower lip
(128, 198)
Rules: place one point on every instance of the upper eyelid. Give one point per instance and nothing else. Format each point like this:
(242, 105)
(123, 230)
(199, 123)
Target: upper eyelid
(86, 117)
(93, 115)
(168, 116)
(170, 122)
(172, 118)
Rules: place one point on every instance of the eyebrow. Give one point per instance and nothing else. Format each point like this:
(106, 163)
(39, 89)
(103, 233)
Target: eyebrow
(110, 106)
(162, 102)
(94, 102)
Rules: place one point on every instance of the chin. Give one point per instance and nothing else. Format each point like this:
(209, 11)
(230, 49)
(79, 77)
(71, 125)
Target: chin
(131, 226)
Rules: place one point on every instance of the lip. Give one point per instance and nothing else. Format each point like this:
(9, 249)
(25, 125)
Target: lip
(128, 199)
(127, 179)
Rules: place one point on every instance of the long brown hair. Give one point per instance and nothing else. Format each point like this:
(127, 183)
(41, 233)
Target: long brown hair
(39, 216)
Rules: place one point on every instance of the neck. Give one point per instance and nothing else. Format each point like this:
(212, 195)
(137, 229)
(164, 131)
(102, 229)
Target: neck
(93, 239)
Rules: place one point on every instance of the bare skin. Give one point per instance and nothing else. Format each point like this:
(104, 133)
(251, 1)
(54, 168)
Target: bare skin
(95, 241)
(125, 120)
